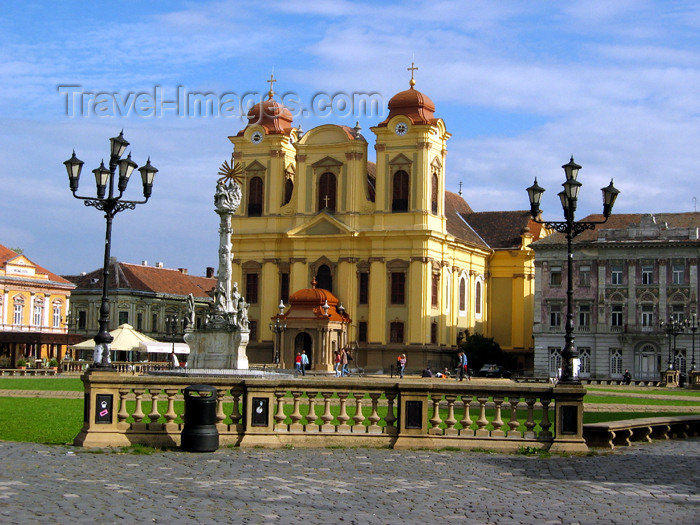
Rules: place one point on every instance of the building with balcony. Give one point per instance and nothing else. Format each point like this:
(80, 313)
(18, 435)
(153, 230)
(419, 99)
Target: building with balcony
(33, 308)
(630, 274)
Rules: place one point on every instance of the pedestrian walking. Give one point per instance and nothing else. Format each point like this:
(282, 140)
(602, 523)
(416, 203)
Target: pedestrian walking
(304, 362)
(343, 363)
(297, 364)
(336, 360)
(402, 365)
(463, 370)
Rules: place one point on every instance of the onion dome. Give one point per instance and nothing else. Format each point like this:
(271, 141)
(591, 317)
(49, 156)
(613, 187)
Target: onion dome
(412, 104)
(273, 116)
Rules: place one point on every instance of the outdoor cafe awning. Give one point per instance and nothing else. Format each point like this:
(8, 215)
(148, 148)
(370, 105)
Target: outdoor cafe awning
(156, 347)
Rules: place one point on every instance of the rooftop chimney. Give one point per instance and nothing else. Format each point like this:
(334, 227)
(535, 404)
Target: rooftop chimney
(159, 265)
(144, 263)
(183, 270)
(210, 271)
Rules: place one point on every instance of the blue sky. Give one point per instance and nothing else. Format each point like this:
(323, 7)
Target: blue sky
(521, 87)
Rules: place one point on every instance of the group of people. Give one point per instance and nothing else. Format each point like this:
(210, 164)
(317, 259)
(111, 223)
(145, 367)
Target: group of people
(301, 361)
(341, 362)
(463, 370)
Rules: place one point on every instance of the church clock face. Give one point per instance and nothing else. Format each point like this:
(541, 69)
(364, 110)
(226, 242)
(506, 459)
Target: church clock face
(256, 137)
(401, 128)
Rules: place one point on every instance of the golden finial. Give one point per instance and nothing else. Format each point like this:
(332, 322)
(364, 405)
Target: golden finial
(271, 81)
(230, 171)
(413, 67)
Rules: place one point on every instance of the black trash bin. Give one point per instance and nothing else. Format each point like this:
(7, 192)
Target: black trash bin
(681, 380)
(199, 433)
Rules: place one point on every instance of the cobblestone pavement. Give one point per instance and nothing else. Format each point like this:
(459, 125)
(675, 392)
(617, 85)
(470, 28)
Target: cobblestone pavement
(656, 483)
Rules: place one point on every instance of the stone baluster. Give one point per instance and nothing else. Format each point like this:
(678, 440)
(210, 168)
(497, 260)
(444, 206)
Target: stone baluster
(359, 417)
(481, 423)
(123, 414)
(154, 415)
(390, 418)
(497, 421)
(514, 424)
(279, 415)
(374, 418)
(296, 416)
(236, 412)
(435, 420)
(530, 421)
(544, 423)
(220, 416)
(311, 417)
(466, 421)
(451, 421)
(343, 416)
(170, 414)
(327, 417)
(138, 414)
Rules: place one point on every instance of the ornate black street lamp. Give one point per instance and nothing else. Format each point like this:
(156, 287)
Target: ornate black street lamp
(277, 328)
(692, 325)
(672, 329)
(111, 204)
(172, 325)
(569, 198)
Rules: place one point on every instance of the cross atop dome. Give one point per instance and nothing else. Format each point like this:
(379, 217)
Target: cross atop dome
(413, 68)
(271, 81)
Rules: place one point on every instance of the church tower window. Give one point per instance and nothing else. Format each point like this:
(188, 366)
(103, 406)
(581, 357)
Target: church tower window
(288, 189)
(255, 197)
(326, 192)
(399, 192)
(434, 194)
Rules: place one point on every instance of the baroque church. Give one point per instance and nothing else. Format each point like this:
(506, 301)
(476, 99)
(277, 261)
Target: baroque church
(377, 257)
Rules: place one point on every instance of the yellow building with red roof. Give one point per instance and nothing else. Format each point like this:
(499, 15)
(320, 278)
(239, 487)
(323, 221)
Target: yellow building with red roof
(411, 263)
(33, 308)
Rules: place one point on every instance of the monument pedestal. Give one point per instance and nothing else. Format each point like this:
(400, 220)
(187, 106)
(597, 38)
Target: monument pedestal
(219, 349)
(671, 378)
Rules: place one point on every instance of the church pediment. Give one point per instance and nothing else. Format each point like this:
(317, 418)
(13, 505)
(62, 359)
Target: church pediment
(322, 224)
(400, 159)
(255, 166)
(327, 162)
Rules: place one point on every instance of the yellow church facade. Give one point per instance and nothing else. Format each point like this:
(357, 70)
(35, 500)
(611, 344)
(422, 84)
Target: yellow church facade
(384, 237)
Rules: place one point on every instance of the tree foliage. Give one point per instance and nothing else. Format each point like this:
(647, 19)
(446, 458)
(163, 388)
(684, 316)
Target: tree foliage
(483, 350)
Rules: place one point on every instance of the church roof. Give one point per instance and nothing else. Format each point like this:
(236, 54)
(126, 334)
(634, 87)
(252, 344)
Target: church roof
(146, 279)
(502, 229)
(455, 207)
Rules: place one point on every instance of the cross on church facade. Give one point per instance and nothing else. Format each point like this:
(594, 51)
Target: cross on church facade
(325, 200)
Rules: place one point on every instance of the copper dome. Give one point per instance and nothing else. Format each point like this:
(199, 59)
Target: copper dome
(271, 115)
(412, 104)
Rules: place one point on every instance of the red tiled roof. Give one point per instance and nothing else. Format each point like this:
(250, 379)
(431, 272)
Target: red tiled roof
(6, 254)
(455, 206)
(501, 229)
(135, 277)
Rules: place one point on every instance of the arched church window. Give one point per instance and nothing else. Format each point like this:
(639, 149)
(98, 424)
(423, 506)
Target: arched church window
(434, 194)
(462, 295)
(399, 192)
(255, 197)
(288, 189)
(324, 279)
(326, 192)
(477, 298)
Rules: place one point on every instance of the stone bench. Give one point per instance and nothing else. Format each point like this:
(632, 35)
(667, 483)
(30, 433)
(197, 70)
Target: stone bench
(613, 434)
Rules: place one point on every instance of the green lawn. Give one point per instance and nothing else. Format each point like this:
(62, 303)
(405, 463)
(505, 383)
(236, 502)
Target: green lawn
(624, 400)
(72, 384)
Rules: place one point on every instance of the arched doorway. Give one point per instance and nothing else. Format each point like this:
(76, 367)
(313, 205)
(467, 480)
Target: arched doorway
(647, 362)
(303, 341)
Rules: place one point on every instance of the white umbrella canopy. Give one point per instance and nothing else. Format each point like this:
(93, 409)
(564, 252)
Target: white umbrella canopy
(126, 339)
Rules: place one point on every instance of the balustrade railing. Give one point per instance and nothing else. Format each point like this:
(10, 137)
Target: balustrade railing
(121, 410)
